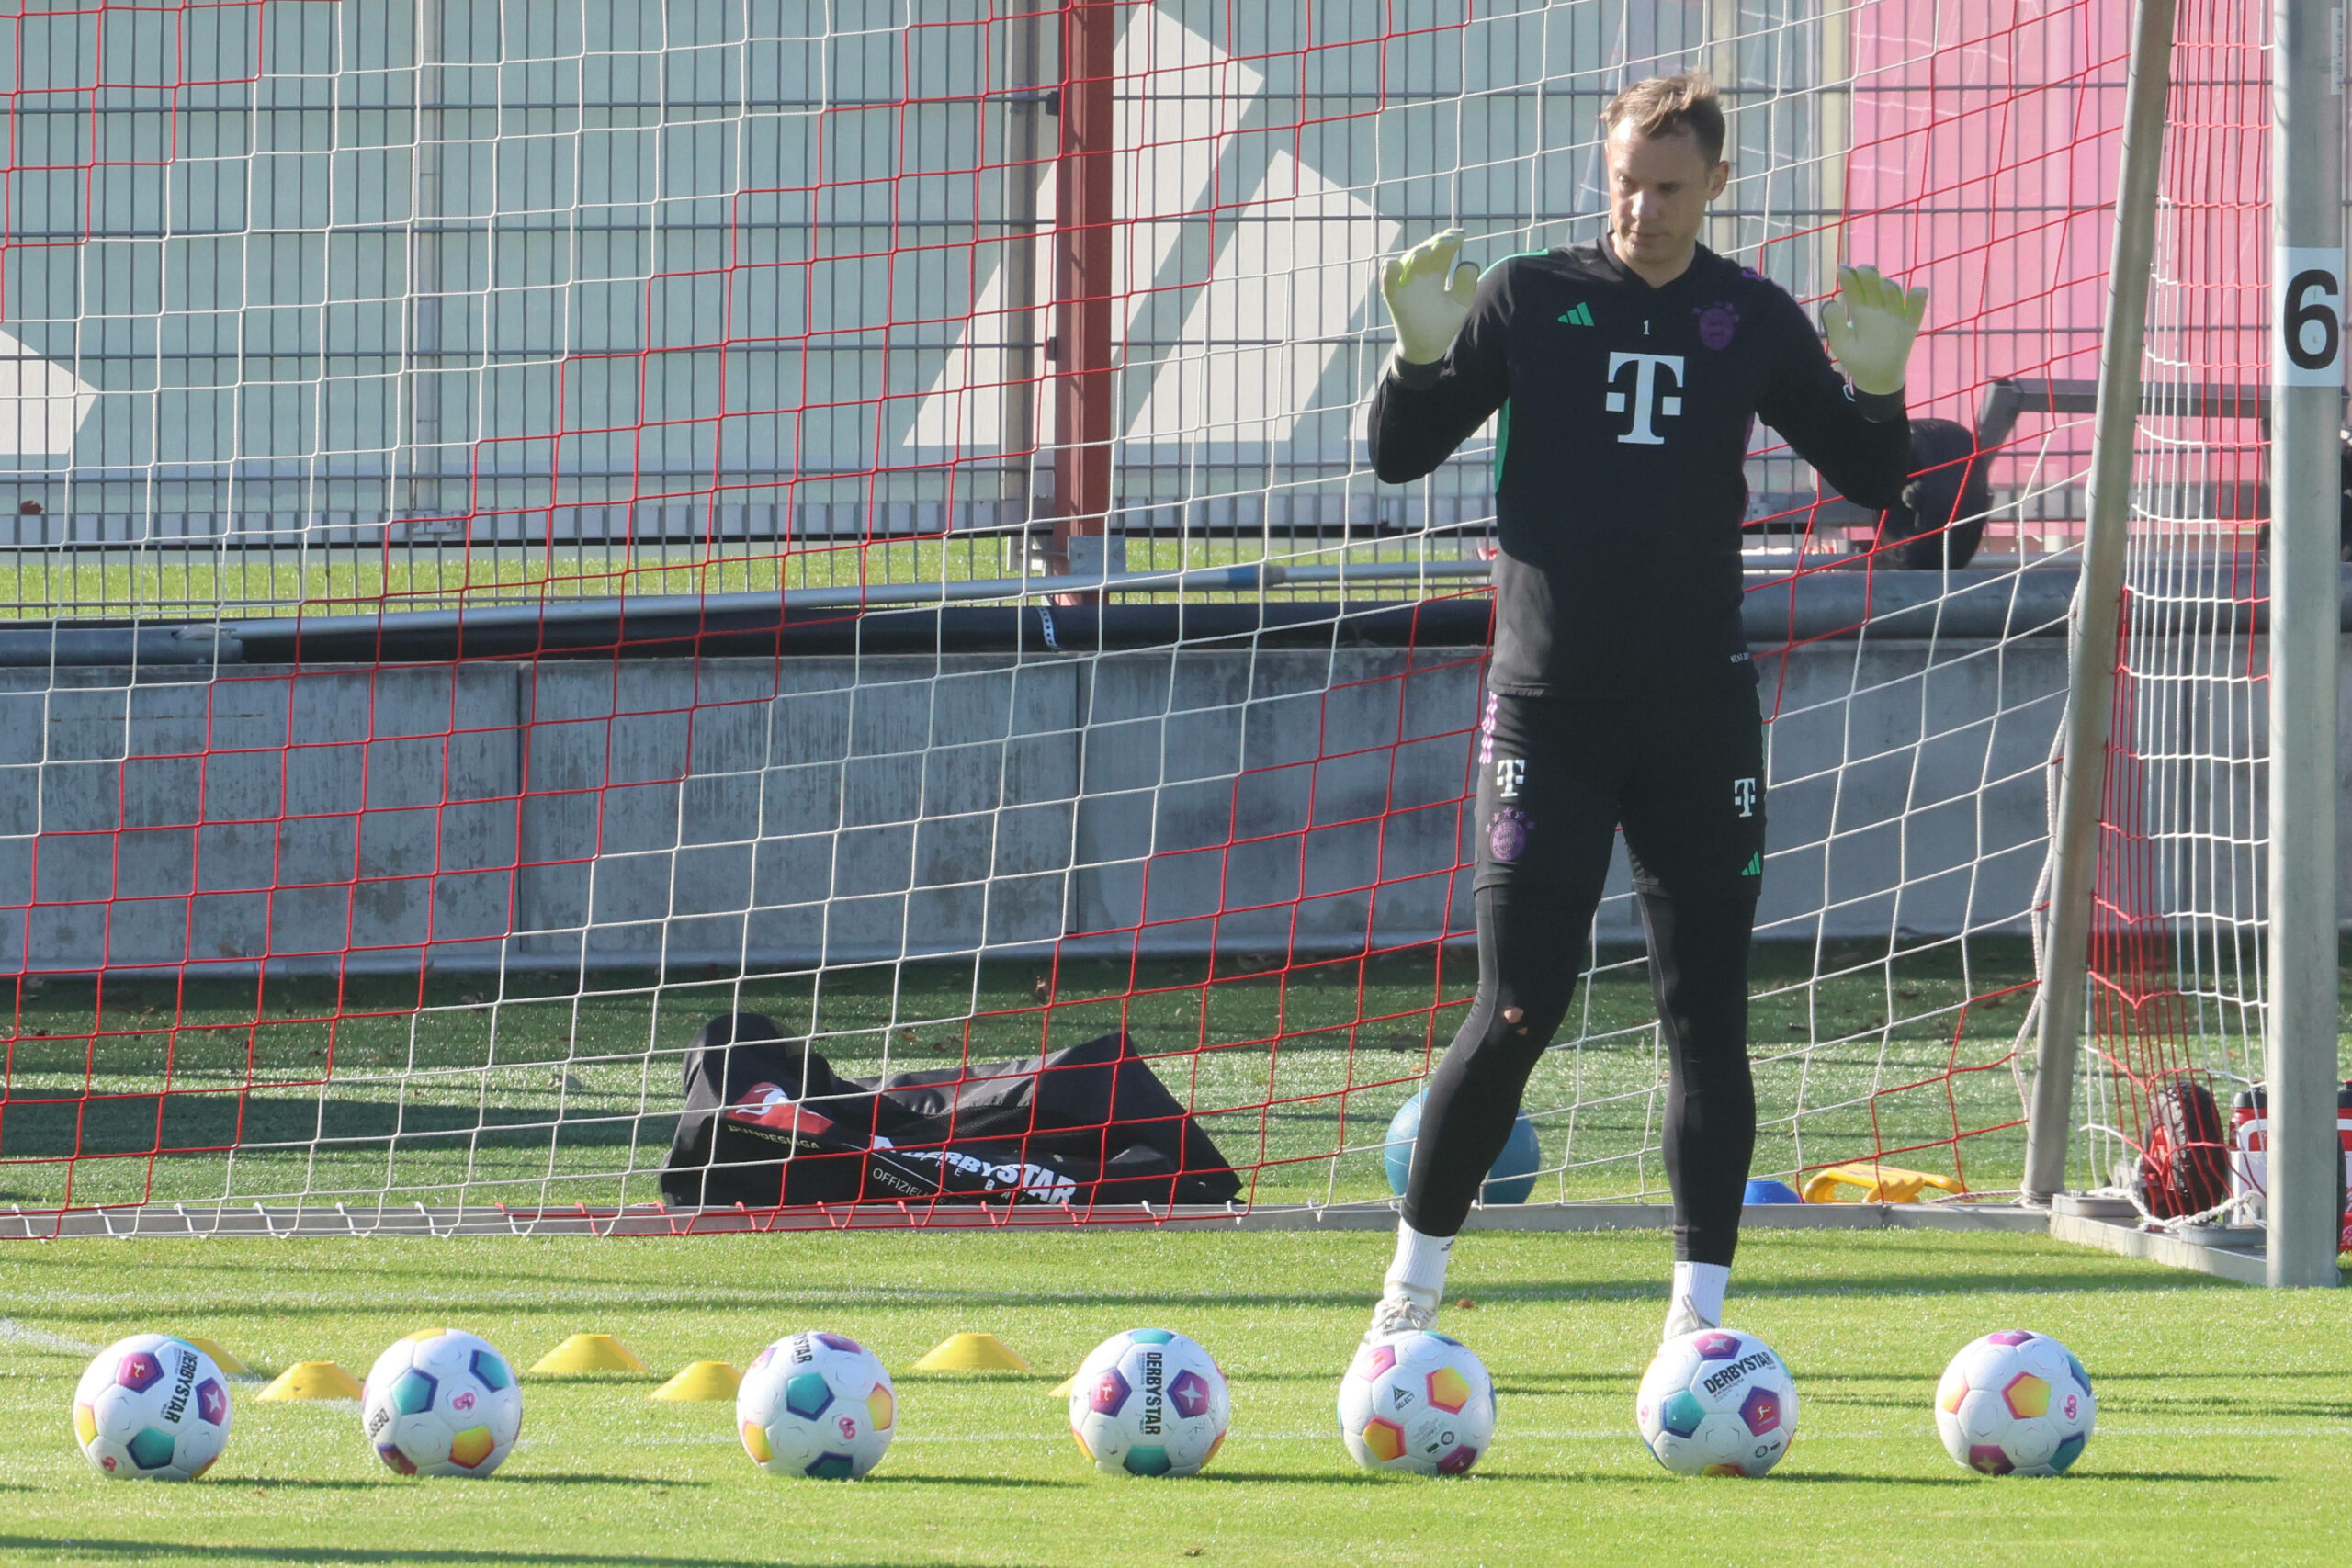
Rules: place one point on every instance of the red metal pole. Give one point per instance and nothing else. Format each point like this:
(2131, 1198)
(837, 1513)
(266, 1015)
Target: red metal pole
(1083, 387)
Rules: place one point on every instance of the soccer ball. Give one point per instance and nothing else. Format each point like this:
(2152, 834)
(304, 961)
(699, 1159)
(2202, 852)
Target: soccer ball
(1717, 1403)
(2015, 1404)
(1417, 1402)
(1149, 1402)
(817, 1404)
(442, 1402)
(152, 1408)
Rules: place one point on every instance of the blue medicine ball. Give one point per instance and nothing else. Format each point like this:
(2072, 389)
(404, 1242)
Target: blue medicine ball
(1509, 1181)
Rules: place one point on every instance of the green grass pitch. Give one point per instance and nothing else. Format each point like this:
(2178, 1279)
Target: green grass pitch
(2224, 1430)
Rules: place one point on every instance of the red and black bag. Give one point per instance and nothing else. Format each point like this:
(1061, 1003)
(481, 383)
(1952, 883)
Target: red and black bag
(2185, 1170)
(768, 1121)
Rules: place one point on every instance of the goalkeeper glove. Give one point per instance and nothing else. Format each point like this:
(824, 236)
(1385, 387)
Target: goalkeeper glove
(1871, 325)
(1429, 297)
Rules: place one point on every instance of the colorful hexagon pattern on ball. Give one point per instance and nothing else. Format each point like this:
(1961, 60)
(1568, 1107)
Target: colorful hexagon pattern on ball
(816, 1405)
(1716, 1401)
(441, 1402)
(1149, 1402)
(1417, 1403)
(152, 1407)
(2015, 1402)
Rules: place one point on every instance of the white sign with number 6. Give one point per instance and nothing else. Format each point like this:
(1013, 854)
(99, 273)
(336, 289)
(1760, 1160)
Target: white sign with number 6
(2310, 317)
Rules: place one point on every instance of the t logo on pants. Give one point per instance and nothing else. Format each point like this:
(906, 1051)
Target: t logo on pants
(1743, 795)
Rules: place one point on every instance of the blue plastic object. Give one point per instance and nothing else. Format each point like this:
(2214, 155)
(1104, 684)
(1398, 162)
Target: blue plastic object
(1510, 1180)
(1763, 1190)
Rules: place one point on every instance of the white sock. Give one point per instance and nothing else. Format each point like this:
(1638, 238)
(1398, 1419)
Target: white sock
(1418, 1272)
(1701, 1285)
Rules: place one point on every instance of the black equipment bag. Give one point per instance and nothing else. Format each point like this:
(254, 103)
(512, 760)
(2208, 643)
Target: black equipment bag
(767, 1122)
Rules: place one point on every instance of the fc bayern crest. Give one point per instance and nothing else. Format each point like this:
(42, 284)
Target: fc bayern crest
(1507, 835)
(1717, 325)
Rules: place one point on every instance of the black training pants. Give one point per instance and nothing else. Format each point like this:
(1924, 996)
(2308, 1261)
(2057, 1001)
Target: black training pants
(1683, 775)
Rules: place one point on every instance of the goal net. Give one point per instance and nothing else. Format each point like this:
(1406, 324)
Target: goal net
(2180, 911)
(533, 527)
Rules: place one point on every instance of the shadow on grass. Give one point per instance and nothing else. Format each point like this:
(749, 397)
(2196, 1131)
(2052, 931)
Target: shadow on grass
(1008, 1482)
(1853, 1478)
(55, 1549)
(2168, 1475)
(1293, 1478)
(596, 1479)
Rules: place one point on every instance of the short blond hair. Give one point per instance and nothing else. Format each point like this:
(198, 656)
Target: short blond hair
(1662, 105)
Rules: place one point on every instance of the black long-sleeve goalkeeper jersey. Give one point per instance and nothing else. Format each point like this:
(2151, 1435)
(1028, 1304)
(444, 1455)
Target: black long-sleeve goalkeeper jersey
(1620, 474)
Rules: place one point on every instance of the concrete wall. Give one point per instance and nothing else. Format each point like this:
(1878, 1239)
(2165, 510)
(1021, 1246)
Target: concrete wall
(786, 813)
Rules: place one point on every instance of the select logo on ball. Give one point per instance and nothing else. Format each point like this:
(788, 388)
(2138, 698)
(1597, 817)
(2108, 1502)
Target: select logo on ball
(1420, 1402)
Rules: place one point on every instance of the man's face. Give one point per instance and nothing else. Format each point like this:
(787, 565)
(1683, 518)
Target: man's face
(1658, 191)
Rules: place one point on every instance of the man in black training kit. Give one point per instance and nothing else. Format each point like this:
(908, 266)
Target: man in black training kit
(1629, 374)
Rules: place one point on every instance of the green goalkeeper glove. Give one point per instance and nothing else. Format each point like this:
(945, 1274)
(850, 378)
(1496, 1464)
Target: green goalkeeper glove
(1429, 297)
(1871, 325)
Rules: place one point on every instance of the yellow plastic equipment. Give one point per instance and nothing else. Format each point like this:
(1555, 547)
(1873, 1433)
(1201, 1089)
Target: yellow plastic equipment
(313, 1380)
(1880, 1184)
(227, 1360)
(972, 1353)
(585, 1353)
(705, 1383)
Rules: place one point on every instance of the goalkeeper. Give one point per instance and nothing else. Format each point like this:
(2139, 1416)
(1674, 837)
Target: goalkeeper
(1629, 373)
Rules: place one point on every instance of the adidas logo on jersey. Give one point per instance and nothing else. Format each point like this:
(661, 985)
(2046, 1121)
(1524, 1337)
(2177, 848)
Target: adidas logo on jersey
(1579, 317)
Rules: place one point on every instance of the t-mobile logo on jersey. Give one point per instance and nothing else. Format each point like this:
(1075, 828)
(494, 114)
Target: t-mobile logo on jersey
(1510, 772)
(1650, 397)
(1743, 795)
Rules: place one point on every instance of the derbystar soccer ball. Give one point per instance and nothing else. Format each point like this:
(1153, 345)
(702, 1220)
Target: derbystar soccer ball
(1417, 1402)
(1149, 1402)
(2015, 1404)
(817, 1404)
(152, 1408)
(1717, 1403)
(442, 1402)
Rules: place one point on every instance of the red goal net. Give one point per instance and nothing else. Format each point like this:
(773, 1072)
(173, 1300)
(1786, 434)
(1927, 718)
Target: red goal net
(534, 533)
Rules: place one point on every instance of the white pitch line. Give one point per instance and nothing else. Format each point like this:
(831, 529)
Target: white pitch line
(17, 1332)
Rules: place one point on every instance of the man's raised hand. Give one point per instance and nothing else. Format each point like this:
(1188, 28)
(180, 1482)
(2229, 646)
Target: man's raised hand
(1429, 297)
(1871, 324)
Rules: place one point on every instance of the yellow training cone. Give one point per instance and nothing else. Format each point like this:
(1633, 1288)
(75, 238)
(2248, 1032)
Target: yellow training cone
(313, 1380)
(588, 1353)
(233, 1365)
(1061, 1389)
(971, 1353)
(705, 1383)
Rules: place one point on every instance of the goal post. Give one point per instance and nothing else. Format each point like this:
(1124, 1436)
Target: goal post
(2306, 1208)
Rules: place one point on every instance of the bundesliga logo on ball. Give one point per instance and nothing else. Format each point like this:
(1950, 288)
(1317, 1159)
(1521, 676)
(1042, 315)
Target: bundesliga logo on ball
(1148, 1402)
(152, 1407)
(1717, 1403)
